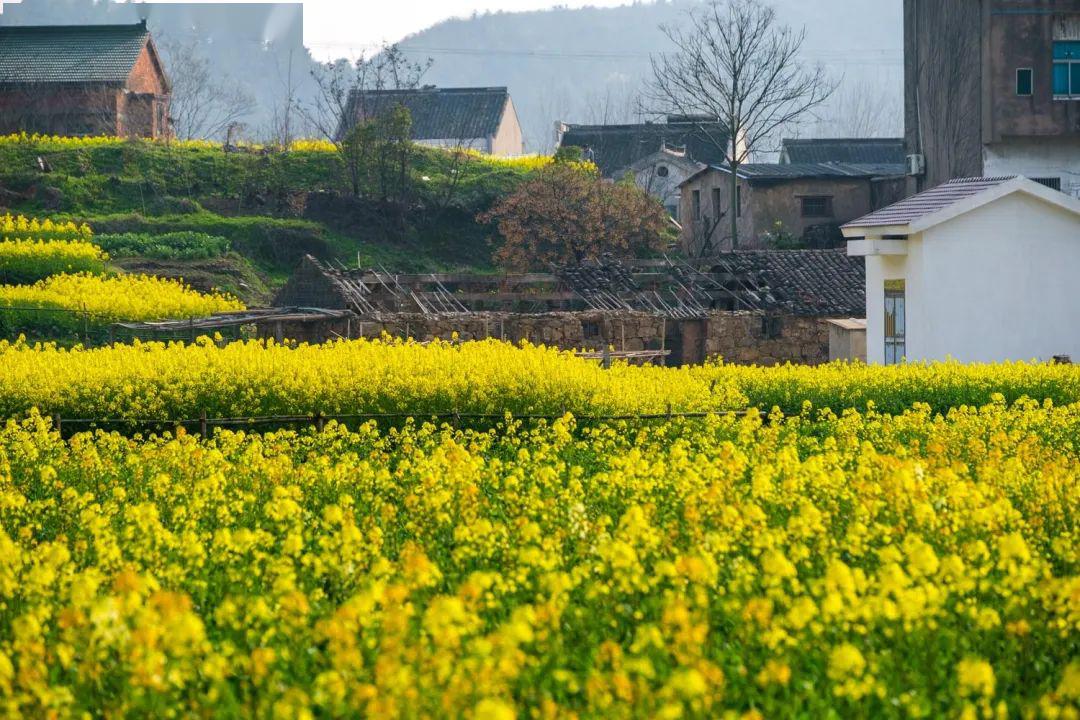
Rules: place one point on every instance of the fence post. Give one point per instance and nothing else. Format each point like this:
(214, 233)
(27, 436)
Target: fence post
(320, 421)
(606, 355)
(58, 425)
(191, 330)
(202, 424)
(669, 412)
(85, 324)
(457, 419)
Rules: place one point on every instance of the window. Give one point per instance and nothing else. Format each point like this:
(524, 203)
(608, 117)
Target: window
(695, 207)
(1067, 70)
(1025, 81)
(717, 214)
(663, 171)
(817, 207)
(895, 322)
(1052, 183)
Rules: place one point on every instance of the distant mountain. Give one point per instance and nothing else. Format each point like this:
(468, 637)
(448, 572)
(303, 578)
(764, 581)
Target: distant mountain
(582, 66)
(587, 65)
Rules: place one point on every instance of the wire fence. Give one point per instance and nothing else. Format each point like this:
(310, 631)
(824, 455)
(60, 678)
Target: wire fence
(205, 425)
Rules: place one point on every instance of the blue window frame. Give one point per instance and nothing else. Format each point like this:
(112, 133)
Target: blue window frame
(1067, 69)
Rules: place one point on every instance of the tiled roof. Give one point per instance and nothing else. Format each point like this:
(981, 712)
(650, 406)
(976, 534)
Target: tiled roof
(70, 54)
(871, 151)
(928, 202)
(806, 282)
(616, 147)
(796, 171)
(440, 113)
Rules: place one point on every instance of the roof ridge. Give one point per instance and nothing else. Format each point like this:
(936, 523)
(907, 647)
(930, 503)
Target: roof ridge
(108, 26)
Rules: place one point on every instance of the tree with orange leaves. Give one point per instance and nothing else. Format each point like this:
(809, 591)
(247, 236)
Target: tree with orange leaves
(568, 214)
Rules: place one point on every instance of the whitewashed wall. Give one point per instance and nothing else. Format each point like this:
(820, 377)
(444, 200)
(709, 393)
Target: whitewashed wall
(1035, 158)
(999, 283)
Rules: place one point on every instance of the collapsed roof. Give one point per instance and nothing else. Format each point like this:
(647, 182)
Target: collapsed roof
(820, 283)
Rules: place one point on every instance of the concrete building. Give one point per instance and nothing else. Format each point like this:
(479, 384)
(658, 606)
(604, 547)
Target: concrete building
(481, 119)
(977, 270)
(83, 80)
(992, 88)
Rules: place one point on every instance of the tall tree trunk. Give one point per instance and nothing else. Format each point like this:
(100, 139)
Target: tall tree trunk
(734, 206)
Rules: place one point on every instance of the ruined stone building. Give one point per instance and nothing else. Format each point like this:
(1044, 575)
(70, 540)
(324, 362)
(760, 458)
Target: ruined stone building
(748, 307)
(83, 80)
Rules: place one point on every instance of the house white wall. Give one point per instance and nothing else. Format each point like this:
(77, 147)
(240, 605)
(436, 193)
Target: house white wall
(1036, 158)
(1001, 282)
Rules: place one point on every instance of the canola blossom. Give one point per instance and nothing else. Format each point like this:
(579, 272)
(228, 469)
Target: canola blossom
(862, 565)
(163, 382)
(20, 227)
(104, 300)
(27, 261)
(155, 381)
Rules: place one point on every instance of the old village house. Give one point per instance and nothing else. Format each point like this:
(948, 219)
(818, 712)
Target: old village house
(83, 80)
(817, 186)
(481, 119)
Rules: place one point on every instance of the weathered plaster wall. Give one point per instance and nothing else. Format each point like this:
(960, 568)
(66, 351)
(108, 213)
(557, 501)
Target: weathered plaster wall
(765, 204)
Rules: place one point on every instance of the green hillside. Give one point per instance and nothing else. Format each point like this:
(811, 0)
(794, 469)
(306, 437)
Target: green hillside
(270, 207)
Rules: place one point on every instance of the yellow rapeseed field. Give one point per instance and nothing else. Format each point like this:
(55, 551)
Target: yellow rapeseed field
(157, 381)
(863, 565)
(26, 261)
(112, 299)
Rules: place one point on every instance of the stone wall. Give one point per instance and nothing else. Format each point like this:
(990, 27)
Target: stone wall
(581, 330)
(746, 338)
(742, 338)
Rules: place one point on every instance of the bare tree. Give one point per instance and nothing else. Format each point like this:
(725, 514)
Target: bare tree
(863, 109)
(203, 106)
(346, 107)
(734, 64)
(947, 102)
(286, 120)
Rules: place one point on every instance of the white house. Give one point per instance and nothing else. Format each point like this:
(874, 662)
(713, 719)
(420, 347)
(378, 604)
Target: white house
(976, 270)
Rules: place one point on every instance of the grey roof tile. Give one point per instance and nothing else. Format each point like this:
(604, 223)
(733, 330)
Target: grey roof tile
(440, 113)
(806, 282)
(871, 151)
(928, 202)
(616, 147)
(69, 54)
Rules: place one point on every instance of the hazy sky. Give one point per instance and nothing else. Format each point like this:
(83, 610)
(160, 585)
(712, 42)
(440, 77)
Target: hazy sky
(337, 28)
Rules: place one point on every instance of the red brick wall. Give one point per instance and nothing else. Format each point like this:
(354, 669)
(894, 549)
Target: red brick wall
(138, 110)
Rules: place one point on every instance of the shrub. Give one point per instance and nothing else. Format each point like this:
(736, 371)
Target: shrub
(170, 246)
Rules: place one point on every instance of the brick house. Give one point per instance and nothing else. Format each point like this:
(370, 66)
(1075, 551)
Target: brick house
(992, 88)
(82, 80)
(482, 119)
